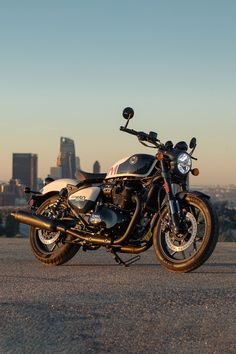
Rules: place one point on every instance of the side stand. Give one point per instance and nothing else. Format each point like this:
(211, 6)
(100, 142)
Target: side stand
(127, 263)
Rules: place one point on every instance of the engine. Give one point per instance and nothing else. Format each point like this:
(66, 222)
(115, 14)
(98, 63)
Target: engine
(113, 214)
(109, 218)
(120, 193)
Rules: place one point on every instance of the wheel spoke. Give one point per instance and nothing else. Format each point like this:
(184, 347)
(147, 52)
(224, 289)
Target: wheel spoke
(173, 253)
(53, 247)
(196, 214)
(195, 245)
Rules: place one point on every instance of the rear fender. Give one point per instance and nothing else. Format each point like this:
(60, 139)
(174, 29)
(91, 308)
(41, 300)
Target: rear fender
(58, 184)
(37, 199)
(49, 190)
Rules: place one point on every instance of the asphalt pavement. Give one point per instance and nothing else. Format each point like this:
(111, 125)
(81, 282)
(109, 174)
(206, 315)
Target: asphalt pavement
(93, 305)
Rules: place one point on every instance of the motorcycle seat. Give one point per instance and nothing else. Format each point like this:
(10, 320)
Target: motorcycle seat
(82, 175)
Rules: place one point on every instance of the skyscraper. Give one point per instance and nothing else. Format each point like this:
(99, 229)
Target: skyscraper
(66, 158)
(25, 168)
(77, 160)
(96, 167)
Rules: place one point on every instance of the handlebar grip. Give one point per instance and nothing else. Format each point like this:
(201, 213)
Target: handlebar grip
(129, 131)
(151, 137)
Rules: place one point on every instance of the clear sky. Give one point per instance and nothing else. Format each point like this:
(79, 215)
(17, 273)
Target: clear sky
(68, 68)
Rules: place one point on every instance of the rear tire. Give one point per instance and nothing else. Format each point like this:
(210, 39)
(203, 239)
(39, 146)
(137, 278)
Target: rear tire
(49, 247)
(186, 253)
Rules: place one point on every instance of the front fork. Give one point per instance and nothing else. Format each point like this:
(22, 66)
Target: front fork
(173, 204)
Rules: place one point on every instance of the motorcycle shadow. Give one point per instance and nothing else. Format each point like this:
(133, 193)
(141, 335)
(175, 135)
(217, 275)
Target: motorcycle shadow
(217, 268)
(108, 260)
(108, 265)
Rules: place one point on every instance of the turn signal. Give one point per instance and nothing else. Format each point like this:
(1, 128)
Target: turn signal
(159, 156)
(195, 172)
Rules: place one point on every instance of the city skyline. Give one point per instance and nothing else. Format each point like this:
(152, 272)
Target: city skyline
(90, 169)
(87, 165)
(69, 69)
(25, 165)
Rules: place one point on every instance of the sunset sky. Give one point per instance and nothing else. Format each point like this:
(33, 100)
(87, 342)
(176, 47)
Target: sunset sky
(68, 68)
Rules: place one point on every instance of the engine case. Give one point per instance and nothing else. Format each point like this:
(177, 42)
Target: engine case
(109, 217)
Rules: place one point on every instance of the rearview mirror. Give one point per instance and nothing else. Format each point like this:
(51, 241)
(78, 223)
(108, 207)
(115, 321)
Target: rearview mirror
(193, 143)
(128, 113)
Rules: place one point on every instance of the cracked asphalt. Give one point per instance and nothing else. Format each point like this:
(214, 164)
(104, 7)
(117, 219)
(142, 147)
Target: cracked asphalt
(93, 305)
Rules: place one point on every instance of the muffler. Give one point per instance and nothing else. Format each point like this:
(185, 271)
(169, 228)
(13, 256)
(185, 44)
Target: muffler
(42, 222)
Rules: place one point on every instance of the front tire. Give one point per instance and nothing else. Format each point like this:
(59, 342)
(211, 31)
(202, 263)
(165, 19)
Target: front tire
(49, 247)
(188, 251)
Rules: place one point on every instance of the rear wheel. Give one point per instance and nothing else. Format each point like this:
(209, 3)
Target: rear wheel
(50, 247)
(188, 250)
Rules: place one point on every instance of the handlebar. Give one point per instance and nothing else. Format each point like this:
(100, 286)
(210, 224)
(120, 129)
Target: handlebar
(129, 131)
(142, 136)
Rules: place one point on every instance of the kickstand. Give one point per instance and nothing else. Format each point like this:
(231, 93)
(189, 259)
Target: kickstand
(127, 263)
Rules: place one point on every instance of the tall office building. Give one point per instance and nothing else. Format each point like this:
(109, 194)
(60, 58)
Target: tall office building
(25, 169)
(96, 167)
(66, 158)
(77, 160)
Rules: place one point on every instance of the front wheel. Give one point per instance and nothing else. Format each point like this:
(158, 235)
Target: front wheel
(188, 250)
(50, 247)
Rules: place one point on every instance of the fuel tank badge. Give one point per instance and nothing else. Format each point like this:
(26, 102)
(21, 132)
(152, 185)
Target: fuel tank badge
(133, 160)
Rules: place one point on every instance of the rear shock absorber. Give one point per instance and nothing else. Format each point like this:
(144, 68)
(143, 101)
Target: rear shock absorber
(63, 194)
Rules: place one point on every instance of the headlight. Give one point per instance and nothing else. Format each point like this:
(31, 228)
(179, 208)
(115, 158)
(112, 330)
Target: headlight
(184, 163)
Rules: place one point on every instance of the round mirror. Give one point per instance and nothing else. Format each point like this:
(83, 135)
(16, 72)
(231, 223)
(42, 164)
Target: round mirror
(128, 113)
(193, 143)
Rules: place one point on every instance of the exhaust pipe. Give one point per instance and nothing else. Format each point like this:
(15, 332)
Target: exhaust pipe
(44, 223)
(39, 221)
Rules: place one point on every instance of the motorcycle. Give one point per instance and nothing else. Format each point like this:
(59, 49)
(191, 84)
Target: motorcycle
(142, 201)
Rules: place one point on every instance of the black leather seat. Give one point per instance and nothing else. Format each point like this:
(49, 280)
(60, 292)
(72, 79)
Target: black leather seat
(82, 175)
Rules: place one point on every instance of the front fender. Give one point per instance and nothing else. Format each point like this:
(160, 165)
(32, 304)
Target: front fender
(183, 194)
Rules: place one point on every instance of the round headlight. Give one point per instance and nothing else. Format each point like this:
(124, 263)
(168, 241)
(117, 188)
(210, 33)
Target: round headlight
(184, 163)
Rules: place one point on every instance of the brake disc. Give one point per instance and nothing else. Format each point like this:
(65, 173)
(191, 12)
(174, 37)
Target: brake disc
(192, 229)
(47, 237)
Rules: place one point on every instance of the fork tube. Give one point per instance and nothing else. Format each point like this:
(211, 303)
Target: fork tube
(172, 203)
